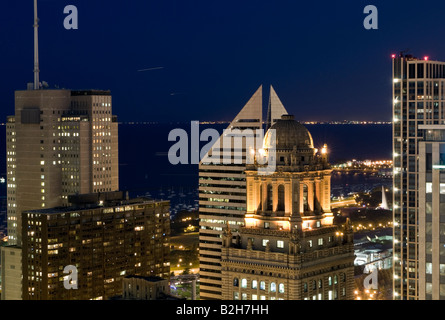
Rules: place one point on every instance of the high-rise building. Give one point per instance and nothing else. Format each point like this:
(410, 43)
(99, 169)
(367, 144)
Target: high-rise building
(222, 187)
(59, 142)
(104, 236)
(419, 178)
(289, 248)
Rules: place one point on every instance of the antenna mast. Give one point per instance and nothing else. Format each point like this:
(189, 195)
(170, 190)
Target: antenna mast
(36, 48)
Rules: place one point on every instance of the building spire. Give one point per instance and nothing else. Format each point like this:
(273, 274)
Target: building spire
(275, 109)
(36, 48)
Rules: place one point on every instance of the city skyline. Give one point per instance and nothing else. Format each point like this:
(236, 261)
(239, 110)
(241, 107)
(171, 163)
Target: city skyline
(295, 200)
(170, 70)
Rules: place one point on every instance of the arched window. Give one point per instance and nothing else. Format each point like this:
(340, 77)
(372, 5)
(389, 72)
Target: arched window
(269, 206)
(320, 284)
(335, 279)
(236, 282)
(330, 281)
(281, 206)
(281, 288)
(262, 285)
(305, 287)
(254, 284)
(305, 198)
(244, 283)
(273, 287)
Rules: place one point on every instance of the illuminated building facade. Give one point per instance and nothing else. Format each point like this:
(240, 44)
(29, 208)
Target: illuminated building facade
(105, 236)
(419, 178)
(222, 188)
(289, 247)
(59, 142)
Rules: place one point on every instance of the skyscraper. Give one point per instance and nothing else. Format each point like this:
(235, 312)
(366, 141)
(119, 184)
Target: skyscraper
(289, 247)
(222, 190)
(59, 142)
(419, 178)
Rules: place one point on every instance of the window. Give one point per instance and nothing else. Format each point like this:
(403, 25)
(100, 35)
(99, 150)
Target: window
(320, 241)
(305, 198)
(429, 187)
(330, 295)
(244, 296)
(254, 284)
(265, 241)
(280, 244)
(269, 206)
(429, 268)
(236, 282)
(281, 288)
(280, 207)
(266, 225)
(262, 285)
(310, 243)
(236, 295)
(320, 296)
(330, 281)
(273, 287)
(244, 283)
(318, 224)
(320, 284)
(263, 298)
(305, 287)
(429, 288)
(254, 297)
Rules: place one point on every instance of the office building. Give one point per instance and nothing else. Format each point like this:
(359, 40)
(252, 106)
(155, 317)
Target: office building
(222, 186)
(105, 236)
(59, 142)
(288, 247)
(419, 177)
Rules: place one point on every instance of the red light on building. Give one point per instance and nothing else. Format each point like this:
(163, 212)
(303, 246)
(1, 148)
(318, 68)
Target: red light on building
(426, 58)
(393, 56)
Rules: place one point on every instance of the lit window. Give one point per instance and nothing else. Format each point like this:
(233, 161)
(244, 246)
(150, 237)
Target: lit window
(429, 187)
(273, 287)
(262, 285)
(280, 244)
(254, 284)
(244, 283)
(281, 288)
(265, 241)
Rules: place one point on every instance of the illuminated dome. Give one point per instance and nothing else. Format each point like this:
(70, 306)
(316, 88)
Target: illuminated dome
(289, 134)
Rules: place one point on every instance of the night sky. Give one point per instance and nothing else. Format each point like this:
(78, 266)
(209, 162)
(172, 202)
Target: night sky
(320, 59)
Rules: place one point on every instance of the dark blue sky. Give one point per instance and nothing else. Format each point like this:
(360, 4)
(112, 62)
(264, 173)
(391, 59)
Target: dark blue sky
(322, 62)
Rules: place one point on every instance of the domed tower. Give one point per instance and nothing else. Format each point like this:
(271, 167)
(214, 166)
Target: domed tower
(297, 194)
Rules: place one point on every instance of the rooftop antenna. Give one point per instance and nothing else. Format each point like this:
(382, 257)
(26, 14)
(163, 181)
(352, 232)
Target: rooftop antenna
(36, 48)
